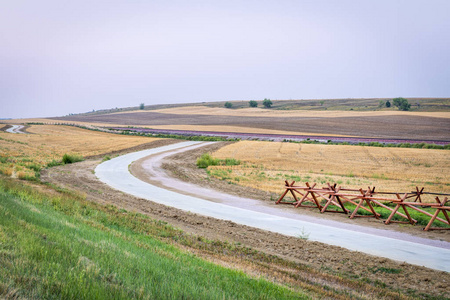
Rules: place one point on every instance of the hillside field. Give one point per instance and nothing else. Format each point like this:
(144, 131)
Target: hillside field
(72, 210)
(265, 166)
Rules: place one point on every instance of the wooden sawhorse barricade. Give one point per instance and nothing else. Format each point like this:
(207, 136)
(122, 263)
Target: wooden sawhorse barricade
(331, 195)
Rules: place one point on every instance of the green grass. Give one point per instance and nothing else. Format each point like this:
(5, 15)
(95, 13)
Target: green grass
(65, 247)
(71, 158)
(207, 160)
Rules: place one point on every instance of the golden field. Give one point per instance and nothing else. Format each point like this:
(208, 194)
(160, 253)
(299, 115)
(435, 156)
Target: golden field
(22, 154)
(262, 112)
(265, 165)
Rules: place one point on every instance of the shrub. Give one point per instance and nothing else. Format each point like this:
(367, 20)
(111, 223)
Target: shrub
(267, 103)
(253, 103)
(228, 104)
(207, 160)
(388, 103)
(401, 103)
(71, 158)
(141, 106)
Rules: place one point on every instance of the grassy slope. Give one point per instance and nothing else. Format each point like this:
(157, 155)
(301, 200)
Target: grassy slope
(60, 247)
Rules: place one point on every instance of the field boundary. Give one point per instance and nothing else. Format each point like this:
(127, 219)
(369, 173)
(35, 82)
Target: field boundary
(284, 138)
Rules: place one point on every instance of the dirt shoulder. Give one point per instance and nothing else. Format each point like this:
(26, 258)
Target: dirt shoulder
(316, 263)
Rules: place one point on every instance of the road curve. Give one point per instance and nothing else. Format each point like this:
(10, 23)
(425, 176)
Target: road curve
(15, 129)
(115, 173)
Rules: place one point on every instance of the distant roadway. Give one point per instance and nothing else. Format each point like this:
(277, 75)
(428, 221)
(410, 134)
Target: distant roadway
(15, 129)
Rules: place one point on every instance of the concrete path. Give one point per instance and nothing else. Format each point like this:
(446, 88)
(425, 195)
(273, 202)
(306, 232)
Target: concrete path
(15, 129)
(415, 251)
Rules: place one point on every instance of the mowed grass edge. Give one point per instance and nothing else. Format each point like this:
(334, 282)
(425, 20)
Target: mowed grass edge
(55, 247)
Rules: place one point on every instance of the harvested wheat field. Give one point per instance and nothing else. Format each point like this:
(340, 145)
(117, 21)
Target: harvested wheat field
(261, 112)
(265, 166)
(23, 155)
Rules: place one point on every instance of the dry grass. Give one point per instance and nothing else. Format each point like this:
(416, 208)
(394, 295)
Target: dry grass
(22, 154)
(268, 164)
(261, 112)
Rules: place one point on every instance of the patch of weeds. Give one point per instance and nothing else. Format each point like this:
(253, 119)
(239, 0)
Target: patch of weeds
(54, 163)
(379, 283)
(378, 176)
(71, 158)
(107, 157)
(232, 162)
(375, 270)
(207, 160)
(304, 235)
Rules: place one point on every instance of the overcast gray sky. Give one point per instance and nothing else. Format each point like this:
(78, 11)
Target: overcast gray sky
(60, 57)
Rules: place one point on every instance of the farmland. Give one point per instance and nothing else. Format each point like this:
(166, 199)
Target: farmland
(108, 225)
(379, 125)
(24, 155)
(267, 164)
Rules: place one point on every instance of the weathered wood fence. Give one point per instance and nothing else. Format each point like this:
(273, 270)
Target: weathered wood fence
(364, 199)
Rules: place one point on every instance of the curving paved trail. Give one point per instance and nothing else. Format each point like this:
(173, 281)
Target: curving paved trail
(15, 129)
(397, 246)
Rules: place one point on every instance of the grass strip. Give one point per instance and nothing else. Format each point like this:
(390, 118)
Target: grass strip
(55, 247)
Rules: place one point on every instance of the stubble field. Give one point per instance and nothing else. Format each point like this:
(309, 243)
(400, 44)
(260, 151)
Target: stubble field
(265, 166)
(24, 155)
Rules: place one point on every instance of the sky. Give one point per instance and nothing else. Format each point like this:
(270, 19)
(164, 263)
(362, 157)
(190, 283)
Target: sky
(61, 57)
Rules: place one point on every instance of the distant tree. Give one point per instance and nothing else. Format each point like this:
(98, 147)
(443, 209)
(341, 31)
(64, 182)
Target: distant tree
(381, 104)
(388, 103)
(253, 103)
(141, 106)
(228, 104)
(321, 102)
(267, 103)
(401, 103)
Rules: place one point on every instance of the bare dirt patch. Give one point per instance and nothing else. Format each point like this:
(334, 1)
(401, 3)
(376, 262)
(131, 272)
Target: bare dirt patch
(316, 263)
